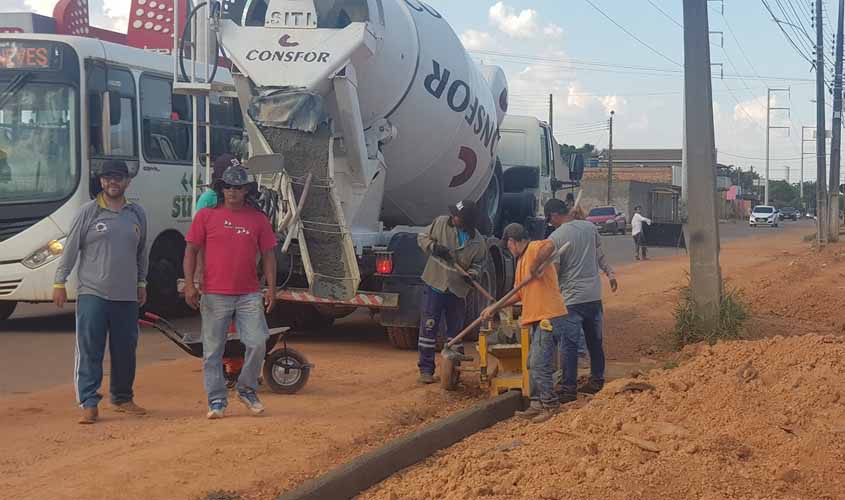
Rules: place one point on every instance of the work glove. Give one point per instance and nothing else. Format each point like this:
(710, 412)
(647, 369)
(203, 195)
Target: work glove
(442, 252)
(469, 280)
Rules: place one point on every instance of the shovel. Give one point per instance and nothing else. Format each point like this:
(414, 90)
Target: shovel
(451, 356)
(454, 266)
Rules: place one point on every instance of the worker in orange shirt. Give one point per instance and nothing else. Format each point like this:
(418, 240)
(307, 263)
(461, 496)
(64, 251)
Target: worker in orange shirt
(543, 311)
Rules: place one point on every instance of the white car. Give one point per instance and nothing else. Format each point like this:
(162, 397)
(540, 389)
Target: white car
(764, 215)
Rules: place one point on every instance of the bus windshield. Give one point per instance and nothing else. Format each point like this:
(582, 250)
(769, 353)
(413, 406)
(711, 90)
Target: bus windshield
(38, 141)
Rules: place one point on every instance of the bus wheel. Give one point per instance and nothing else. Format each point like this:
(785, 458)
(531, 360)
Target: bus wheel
(7, 307)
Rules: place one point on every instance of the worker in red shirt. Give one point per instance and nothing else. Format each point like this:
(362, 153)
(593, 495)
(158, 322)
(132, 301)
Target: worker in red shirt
(232, 235)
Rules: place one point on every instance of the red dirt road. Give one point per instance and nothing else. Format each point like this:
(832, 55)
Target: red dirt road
(360, 395)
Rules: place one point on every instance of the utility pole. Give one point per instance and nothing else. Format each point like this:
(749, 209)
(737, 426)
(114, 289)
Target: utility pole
(837, 131)
(821, 174)
(769, 127)
(610, 163)
(699, 145)
(787, 174)
(803, 140)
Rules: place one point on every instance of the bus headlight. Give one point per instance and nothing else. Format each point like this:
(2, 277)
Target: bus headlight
(48, 253)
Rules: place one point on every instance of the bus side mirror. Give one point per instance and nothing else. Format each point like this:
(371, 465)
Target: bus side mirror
(576, 167)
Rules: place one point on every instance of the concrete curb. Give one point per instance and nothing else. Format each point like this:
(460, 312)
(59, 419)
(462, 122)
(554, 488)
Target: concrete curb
(356, 476)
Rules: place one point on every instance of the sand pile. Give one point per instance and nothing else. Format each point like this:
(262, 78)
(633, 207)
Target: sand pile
(740, 420)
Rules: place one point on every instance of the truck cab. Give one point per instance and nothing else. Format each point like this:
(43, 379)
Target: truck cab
(533, 170)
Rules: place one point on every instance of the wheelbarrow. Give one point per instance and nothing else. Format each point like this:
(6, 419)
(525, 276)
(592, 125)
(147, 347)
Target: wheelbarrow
(285, 370)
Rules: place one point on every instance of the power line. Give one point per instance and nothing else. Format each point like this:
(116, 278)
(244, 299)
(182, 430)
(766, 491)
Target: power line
(788, 38)
(635, 37)
(665, 14)
(565, 63)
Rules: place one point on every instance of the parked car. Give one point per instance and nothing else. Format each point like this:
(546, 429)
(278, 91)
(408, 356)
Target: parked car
(788, 213)
(764, 215)
(608, 220)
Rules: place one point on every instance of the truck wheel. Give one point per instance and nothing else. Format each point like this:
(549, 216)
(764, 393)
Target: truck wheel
(286, 371)
(165, 271)
(403, 337)
(7, 307)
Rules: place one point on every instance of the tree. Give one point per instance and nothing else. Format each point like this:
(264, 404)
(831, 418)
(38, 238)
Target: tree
(587, 150)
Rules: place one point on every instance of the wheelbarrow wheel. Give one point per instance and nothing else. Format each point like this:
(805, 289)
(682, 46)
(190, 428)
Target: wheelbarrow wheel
(286, 371)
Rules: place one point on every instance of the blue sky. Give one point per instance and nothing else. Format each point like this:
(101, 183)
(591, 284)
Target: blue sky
(648, 108)
(653, 120)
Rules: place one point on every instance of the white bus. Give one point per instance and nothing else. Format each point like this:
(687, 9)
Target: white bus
(66, 105)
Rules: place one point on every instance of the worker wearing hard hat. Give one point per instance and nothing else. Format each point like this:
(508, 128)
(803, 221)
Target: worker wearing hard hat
(450, 240)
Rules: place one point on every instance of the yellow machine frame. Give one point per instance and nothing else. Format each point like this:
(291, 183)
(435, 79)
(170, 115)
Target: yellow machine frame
(511, 370)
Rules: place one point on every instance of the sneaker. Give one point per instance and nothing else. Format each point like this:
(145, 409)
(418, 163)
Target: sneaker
(216, 409)
(89, 415)
(544, 415)
(250, 400)
(528, 414)
(427, 378)
(129, 407)
(591, 388)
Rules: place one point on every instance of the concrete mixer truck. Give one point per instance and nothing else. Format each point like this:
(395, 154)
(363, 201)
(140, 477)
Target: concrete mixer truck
(369, 118)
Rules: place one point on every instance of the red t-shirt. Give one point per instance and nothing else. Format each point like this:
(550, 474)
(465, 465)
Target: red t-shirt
(233, 240)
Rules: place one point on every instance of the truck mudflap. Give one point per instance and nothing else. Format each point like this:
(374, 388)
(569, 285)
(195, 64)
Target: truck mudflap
(375, 300)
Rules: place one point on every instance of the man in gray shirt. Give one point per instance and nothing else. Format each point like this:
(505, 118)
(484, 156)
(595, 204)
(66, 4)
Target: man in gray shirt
(108, 241)
(581, 287)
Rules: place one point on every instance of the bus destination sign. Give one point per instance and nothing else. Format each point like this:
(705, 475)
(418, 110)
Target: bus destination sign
(27, 55)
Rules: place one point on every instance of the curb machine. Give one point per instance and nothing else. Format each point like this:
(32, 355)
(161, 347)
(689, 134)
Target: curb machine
(380, 104)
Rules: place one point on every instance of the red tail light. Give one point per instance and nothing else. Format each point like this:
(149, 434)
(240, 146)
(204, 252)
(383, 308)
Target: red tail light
(384, 263)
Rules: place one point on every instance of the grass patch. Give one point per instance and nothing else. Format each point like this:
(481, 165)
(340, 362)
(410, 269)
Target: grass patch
(670, 365)
(691, 329)
(809, 238)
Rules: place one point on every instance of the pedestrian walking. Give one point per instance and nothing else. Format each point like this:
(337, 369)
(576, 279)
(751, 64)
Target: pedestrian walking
(449, 240)
(637, 231)
(581, 288)
(232, 234)
(107, 241)
(543, 311)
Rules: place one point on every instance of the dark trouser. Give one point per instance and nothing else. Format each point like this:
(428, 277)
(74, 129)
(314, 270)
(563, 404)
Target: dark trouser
(433, 307)
(97, 319)
(639, 244)
(587, 316)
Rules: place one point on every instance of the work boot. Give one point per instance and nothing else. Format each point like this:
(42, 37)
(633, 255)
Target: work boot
(427, 378)
(129, 407)
(591, 387)
(89, 415)
(529, 414)
(544, 415)
(567, 396)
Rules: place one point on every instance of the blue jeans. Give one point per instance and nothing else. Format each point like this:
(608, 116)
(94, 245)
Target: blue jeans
(217, 313)
(587, 317)
(434, 306)
(541, 363)
(96, 320)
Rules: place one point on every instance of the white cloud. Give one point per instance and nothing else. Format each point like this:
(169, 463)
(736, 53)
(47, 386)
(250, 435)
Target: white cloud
(517, 25)
(553, 31)
(476, 40)
(108, 14)
(751, 111)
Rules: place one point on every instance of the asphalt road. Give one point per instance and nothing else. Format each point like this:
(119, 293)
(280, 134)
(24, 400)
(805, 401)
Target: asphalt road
(37, 343)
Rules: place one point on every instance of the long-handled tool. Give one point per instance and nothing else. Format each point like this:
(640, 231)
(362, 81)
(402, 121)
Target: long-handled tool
(454, 266)
(451, 356)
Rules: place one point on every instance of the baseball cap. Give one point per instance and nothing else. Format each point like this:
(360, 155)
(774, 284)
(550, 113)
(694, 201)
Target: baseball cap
(114, 167)
(235, 176)
(514, 231)
(468, 211)
(223, 162)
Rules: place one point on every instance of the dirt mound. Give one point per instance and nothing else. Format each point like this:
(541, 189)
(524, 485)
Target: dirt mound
(751, 420)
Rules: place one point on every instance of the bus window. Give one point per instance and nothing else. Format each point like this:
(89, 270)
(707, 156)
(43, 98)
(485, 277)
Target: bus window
(545, 164)
(165, 122)
(118, 88)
